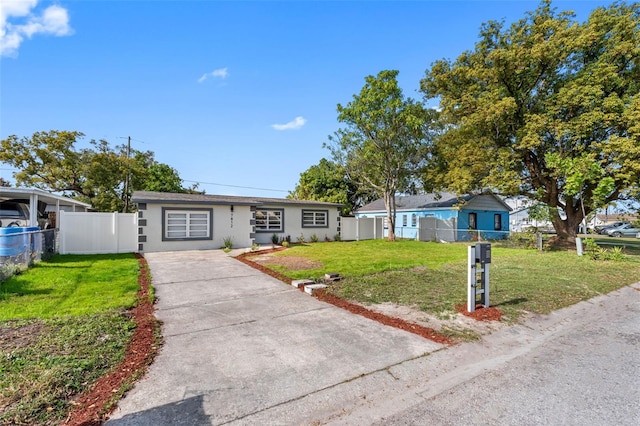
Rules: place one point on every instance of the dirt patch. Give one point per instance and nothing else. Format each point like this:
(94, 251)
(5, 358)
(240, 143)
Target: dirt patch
(292, 263)
(94, 406)
(13, 336)
(447, 322)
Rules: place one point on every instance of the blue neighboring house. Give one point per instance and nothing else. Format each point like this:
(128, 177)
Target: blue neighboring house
(485, 213)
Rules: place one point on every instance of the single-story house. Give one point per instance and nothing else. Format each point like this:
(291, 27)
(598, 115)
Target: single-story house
(485, 213)
(178, 221)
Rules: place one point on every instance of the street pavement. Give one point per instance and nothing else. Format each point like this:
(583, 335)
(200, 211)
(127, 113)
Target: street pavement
(243, 348)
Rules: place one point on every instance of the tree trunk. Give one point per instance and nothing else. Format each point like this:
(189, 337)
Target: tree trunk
(567, 229)
(390, 205)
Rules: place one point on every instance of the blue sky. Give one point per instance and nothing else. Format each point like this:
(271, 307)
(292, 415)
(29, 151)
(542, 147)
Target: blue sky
(238, 96)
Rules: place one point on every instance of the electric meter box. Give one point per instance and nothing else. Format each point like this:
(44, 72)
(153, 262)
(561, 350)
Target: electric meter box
(483, 253)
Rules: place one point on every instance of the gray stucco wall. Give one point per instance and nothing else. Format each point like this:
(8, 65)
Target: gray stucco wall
(236, 224)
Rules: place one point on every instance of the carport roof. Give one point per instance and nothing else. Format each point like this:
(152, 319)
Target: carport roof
(183, 198)
(47, 197)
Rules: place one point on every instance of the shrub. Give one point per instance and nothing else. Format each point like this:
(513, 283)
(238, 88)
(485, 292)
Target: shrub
(300, 239)
(228, 243)
(274, 238)
(285, 244)
(336, 237)
(314, 238)
(595, 252)
(527, 239)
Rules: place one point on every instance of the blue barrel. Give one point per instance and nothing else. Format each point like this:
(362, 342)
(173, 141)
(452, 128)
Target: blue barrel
(12, 245)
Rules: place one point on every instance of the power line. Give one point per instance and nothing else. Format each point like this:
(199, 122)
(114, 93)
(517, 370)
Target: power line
(234, 186)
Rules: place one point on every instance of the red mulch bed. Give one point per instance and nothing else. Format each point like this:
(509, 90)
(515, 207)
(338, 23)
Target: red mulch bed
(93, 407)
(426, 332)
(246, 258)
(481, 313)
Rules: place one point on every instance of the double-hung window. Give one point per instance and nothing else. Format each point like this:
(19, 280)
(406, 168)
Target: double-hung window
(315, 218)
(192, 224)
(270, 220)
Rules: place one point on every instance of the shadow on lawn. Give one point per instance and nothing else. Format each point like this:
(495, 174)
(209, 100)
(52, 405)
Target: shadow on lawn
(515, 301)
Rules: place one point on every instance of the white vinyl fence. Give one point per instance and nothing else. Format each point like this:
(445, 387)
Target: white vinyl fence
(361, 228)
(91, 232)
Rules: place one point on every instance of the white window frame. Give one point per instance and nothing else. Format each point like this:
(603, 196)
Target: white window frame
(315, 218)
(270, 223)
(195, 224)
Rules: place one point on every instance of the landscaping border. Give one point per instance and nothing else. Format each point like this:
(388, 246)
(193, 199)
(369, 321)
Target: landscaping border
(94, 406)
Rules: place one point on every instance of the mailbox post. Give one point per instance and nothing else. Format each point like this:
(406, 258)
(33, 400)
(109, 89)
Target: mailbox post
(478, 275)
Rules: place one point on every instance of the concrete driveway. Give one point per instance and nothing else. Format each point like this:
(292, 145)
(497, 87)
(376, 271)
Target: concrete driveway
(242, 347)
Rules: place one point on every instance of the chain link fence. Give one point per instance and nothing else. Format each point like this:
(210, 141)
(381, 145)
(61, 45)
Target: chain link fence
(21, 247)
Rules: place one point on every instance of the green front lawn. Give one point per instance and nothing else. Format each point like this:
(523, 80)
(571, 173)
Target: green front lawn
(63, 324)
(433, 276)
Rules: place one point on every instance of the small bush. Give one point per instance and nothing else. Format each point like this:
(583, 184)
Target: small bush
(301, 239)
(285, 244)
(336, 237)
(526, 239)
(327, 239)
(274, 238)
(255, 247)
(595, 252)
(314, 238)
(228, 243)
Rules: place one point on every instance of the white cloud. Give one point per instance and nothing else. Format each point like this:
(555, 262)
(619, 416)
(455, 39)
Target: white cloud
(297, 123)
(219, 73)
(54, 20)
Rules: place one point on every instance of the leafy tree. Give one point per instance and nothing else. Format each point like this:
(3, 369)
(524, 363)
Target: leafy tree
(162, 178)
(328, 181)
(546, 108)
(382, 142)
(101, 176)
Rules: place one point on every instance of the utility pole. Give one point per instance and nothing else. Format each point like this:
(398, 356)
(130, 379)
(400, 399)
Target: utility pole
(126, 178)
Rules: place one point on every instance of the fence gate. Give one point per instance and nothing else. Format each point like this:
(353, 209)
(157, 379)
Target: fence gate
(91, 232)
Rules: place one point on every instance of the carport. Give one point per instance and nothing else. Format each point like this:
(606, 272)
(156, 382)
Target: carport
(55, 203)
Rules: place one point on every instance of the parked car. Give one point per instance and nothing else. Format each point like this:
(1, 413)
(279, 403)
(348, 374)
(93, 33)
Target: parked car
(626, 230)
(16, 213)
(603, 229)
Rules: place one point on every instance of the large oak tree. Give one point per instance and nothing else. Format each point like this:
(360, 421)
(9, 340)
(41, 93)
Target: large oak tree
(548, 108)
(101, 175)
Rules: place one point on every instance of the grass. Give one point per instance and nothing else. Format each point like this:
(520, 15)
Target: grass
(433, 276)
(63, 325)
(70, 285)
(361, 258)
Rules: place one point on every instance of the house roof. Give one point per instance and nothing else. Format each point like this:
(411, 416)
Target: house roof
(442, 200)
(182, 198)
(7, 193)
(418, 202)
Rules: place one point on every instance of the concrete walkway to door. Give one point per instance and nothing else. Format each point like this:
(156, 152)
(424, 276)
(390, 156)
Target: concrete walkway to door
(242, 347)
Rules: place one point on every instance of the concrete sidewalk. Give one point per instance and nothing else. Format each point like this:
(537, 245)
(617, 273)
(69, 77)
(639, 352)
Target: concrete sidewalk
(242, 347)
